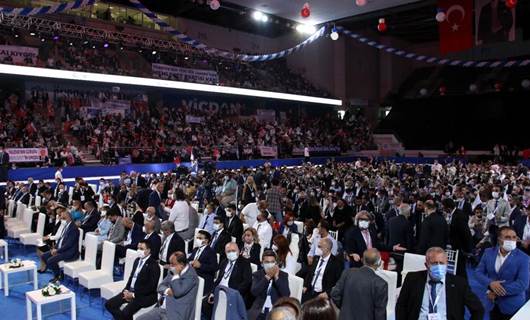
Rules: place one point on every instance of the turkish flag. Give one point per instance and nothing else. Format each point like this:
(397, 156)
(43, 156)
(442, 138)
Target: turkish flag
(456, 31)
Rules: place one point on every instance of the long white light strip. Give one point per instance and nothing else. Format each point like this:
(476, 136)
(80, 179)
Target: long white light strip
(148, 82)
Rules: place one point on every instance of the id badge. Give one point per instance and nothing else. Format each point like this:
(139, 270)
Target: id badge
(82, 198)
(433, 316)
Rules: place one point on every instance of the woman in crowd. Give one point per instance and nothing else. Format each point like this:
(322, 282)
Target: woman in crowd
(250, 191)
(251, 248)
(286, 260)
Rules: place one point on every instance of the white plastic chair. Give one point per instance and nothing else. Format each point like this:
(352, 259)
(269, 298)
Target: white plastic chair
(221, 306)
(73, 269)
(70, 194)
(147, 309)
(452, 260)
(253, 267)
(412, 262)
(293, 246)
(299, 226)
(25, 227)
(35, 237)
(10, 208)
(3, 244)
(95, 278)
(391, 279)
(17, 220)
(110, 290)
(334, 234)
(38, 201)
(198, 299)
(296, 286)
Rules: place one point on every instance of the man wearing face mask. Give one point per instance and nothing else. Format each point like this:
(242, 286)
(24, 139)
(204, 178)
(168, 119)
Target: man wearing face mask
(206, 222)
(497, 209)
(268, 285)
(220, 237)
(264, 229)
(140, 291)
(204, 260)
(178, 292)
(152, 237)
(435, 294)
(234, 226)
(504, 270)
(234, 272)
(323, 233)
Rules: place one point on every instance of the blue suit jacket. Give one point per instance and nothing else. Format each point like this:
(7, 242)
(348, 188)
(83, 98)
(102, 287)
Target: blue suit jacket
(70, 244)
(236, 309)
(155, 201)
(514, 273)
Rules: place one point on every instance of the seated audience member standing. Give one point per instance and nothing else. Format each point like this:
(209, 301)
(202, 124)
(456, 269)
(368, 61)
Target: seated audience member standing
(153, 238)
(360, 293)
(220, 237)
(251, 248)
(180, 212)
(204, 260)
(435, 294)
(323, 233)
(172, 242)
(67, 248)
(234, 226)
(504, 270)
(264, 229)
(268, 285)
(140, 291)
(359, 238)
(323, 274)
(178, 291)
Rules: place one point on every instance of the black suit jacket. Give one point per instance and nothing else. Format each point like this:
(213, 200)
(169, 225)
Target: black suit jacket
(466, 208)
(331, 275)
(235, 229)
(25, 199)
(209, 267)
(254, 254)
(63, 198)
(240, 277)
(458, 295)
(434, 233)
(91, 223)
(155, 242)
(354, 242)
(176, 244)
(279, 289)
(32, 189)
(146, 282)
(459, 233)
(219, 244)
(399, 232)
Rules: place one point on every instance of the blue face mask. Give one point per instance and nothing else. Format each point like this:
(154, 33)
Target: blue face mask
(438, 271)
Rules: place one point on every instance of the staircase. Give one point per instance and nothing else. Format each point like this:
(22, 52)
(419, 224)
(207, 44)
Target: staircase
(87, 157)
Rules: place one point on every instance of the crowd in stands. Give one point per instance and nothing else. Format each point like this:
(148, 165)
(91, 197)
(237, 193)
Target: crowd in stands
(159, 132)
(59, 52)
(268, 224)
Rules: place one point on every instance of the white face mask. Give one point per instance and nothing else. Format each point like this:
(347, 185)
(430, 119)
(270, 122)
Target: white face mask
(268, 265)
(232, 256)
(509, 245)
(228, 213)
(274, 247)
(199, 242)
(290, 223)
(495, 195)
(363, 224)
(216, 226)
(141, 253)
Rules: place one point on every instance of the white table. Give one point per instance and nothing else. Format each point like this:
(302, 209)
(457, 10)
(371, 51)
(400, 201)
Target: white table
(38, 299)
(28, 265)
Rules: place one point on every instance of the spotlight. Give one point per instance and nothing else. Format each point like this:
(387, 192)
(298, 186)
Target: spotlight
(55, 38)
(121, 48)
(94, 47)
(306, 28)
(264, 18)
(186, 58)
(32, 34)
(85, 42)
(16, 35)
(42, 39)
(257, 15)
(105, 45)
(71, 44)
(154, 52)
(334, 34)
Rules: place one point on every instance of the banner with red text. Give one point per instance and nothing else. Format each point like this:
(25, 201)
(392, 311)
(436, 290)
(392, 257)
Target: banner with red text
(27, 154)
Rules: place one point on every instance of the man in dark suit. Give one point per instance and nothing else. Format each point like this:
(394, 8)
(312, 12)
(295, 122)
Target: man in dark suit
(4, 164)
(67, 248)
(155, 200)
(24, 195)
(220, 237)
(360, 237)
(520, 227)
(140, 291)
(459, 234)
(132, 238)
(234, 272)
(436, 292)
(268, 285)
(360, 293)
(323, 273)
(32, 187)
(204, 259)
(91, 219)
(172, 242)
(138, 180)
(462, 203)
(234, 224)
(434, 231)
(61, 195)
(153, 238)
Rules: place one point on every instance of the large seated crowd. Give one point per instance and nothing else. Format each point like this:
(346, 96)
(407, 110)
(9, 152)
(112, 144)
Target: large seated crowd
(252, 230)
(158, 131)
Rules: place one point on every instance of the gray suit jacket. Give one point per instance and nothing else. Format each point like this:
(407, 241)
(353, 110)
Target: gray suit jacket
(181, 305)
(361, 295)
(117, 232)
(194, 223)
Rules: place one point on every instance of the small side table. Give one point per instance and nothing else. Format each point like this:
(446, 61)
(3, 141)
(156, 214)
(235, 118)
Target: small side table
(38, 299)
(28, 265)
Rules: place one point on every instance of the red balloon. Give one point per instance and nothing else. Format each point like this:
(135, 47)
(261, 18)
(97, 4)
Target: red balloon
(305, 12)
(381, 27)
(511, 3)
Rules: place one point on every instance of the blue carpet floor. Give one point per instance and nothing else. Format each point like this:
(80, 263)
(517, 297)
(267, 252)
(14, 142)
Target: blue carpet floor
(13, 307)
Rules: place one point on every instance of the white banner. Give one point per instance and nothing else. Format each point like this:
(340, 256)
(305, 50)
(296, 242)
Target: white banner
(27, 154)
(18, 53)
(114, 107)
(165, 71)
(268, 151)
(193, 119)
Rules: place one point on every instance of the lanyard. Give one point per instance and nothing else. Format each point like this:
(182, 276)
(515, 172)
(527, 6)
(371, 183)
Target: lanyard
(437, 296)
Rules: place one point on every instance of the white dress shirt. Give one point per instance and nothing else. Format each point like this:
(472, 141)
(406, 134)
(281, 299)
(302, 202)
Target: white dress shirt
(526, 233)
(440, 303)
(499, 261)
(228, 273)
(139, 267)
(180, 215)
(264, 230)
(319, 274)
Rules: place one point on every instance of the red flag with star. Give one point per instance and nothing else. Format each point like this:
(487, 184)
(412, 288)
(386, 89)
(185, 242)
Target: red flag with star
(456, 31)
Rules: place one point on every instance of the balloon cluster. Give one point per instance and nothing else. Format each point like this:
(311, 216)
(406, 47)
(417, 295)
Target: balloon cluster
(306, 11)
